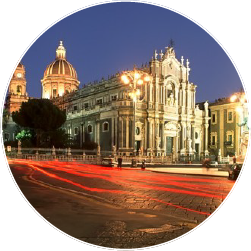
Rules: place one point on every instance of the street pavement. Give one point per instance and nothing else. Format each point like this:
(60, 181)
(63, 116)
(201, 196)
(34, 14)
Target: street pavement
(120, 208)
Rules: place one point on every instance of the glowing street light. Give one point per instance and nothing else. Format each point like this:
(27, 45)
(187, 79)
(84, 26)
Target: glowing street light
(233, 98)
(134, 79)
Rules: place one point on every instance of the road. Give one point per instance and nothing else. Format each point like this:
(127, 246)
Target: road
(118, 208)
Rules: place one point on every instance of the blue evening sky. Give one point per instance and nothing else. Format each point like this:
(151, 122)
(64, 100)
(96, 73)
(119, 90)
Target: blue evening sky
(108, 38)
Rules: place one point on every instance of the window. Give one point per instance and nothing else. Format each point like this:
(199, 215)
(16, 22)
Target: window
(75, 107)
(76, 130)
(214, 118)
(86, 105)
(6, 136)
(114, 97)
(54, 93)
(105, 127)
(213, 140)
(229, 116)
(230, 138)
(19, 89)
(99, 101)
(89, 128)
(196, 135)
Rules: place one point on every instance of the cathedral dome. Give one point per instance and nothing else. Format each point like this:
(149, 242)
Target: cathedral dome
(60, 77)
(60, 66)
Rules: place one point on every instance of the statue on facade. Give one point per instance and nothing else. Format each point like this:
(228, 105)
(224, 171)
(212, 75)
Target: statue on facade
(206, 108)
(114, 151)
(157, 140)
(171, 99)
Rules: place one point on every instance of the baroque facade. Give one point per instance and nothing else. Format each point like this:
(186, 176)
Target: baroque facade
(163, 120)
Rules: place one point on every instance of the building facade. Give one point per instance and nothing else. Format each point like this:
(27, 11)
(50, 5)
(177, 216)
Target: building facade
(229, 131)
(162, 120)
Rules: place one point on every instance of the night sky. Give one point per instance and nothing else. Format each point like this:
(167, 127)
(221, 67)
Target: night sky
(105, 39)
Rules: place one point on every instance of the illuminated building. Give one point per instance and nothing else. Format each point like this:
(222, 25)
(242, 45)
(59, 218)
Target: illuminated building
(17, 90)
(229, 131)
(15, 96)
(166, 118)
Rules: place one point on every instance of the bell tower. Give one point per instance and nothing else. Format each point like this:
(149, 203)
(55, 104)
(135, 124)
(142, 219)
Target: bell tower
(17, 90)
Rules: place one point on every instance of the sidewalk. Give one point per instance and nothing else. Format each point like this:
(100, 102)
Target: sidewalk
(191, 171)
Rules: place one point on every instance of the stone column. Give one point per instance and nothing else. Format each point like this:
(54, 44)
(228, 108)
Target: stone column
(112, 132)
(183, 96)
(206, 139)
(176, 97)
(149, 134)
(127, 132)
(120, 133)
(193, 137)
(83, 134)
(162, 134)
(116, 132)
(182, 136)
(98, 133)
(176, 146)
(188, 97)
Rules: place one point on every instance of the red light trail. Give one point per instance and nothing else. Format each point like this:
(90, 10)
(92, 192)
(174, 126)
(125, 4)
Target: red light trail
(131, 177)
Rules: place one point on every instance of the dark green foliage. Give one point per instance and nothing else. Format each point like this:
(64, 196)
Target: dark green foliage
(57, 138)
(39, 114)
(43, 117)
(10, 143)
(5, 118)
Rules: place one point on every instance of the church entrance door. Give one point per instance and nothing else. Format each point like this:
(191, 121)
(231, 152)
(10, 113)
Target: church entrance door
(169, 145)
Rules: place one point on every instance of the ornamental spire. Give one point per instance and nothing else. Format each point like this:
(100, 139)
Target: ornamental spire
(61, 51)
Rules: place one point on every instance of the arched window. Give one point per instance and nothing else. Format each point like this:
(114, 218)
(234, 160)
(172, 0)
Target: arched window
(170, 90)
(105, 126)
(54, 93)
(89, 128)
(19, 89)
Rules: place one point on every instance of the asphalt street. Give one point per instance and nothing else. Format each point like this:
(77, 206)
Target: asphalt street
(118, 208)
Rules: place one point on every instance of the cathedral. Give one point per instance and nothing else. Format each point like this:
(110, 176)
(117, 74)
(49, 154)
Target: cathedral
(148, 111)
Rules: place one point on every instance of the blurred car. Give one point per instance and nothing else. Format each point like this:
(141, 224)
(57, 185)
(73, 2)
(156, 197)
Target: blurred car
(110, 162)
(210, 163)
(234, 170)
(213, 164)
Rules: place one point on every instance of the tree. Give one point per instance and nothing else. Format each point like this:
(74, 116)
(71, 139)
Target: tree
(5, 119)
(41, 115)
(58, 138)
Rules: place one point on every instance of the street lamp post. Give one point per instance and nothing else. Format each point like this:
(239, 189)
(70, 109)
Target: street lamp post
(135, 79)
